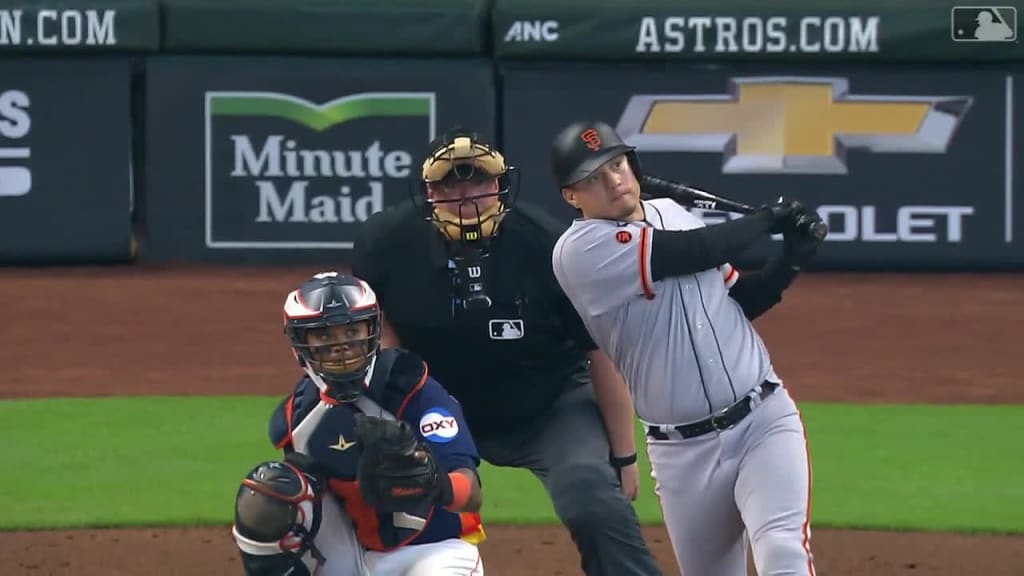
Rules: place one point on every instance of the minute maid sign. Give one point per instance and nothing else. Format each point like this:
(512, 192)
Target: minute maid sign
(284, 172)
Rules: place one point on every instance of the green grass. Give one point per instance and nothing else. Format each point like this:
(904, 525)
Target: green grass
(177, 461)
(121, 461)
(950, 468)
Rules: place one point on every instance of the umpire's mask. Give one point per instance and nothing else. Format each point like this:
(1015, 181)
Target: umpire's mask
(467, 192)
(466, 186)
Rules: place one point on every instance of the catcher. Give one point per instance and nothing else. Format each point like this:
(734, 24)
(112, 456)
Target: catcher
(379, 473)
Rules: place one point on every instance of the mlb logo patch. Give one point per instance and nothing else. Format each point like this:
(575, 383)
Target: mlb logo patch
(506, 329)
(983, 24)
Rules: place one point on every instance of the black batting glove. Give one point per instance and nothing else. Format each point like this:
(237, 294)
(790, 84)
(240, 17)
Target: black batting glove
(799, 245)
(783, 213)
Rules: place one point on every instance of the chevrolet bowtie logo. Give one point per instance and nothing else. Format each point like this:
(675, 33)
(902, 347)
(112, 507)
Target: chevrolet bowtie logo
(791, 125)
(342, 444)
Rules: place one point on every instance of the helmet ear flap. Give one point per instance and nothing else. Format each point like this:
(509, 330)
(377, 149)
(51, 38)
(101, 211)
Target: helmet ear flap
(634, 164)
(295, 335)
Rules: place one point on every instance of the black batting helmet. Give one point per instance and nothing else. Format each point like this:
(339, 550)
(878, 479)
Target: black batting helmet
(582, 147)
(333, 299)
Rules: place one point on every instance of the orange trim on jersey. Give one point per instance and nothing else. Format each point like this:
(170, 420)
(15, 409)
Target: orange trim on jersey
(288, 409)
(477, 565)
(472, 528)
(408, 397)
(644, 272)
(732, 273)
(805, 530)
(327, 399)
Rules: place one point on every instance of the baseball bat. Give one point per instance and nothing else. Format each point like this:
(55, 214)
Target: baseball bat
(696, 198)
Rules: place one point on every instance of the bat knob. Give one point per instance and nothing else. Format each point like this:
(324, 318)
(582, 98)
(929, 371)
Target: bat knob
(811, 226)
(816, 229)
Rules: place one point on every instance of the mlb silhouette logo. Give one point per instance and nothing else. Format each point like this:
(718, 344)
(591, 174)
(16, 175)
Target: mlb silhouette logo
(506, 329)
(983, 24)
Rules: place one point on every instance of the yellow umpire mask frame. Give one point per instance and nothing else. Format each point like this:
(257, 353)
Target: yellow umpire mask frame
(465, 159)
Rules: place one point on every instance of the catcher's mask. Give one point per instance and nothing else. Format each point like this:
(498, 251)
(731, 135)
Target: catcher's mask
(333, 325)
(582, 147)
(464, 159)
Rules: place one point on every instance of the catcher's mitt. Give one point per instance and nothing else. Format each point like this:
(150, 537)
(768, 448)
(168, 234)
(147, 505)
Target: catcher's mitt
(396, 472)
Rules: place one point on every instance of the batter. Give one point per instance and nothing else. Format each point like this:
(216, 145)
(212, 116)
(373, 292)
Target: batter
(655, 289)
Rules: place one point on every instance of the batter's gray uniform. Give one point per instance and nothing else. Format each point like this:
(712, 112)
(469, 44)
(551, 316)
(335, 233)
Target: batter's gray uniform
(688, 353)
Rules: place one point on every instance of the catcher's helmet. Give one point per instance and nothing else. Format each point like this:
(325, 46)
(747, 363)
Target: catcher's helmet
(331, 299)
(582, 147)
(463, 155)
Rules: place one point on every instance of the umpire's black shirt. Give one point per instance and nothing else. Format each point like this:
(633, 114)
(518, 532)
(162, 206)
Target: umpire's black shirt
(505, 365)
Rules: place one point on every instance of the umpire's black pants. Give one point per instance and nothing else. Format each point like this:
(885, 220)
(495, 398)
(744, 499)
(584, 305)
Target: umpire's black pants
(568, 452)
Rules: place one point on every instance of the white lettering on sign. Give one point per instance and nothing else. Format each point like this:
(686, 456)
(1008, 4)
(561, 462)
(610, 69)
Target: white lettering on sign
(15, 127)
(58, 27)
(532, 31)
(847, 223)
(756, 34)
(297, 205)
(913, 224)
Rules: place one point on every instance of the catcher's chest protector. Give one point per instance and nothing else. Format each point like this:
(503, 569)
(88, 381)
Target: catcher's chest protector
(327, 433)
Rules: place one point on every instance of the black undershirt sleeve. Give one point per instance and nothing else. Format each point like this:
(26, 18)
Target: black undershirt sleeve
(756, 292)
(682, 252)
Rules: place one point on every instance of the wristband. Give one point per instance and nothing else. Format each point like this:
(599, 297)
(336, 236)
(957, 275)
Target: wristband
(621, 462)
(461, 490)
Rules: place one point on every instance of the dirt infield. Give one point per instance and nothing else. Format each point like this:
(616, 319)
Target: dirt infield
(135, 330)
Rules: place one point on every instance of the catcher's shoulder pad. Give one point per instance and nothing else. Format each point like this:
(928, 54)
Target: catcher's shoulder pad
(280, 429)
(397, 374)
(291, 411)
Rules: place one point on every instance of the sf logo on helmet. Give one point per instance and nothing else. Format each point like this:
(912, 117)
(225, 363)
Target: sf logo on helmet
(591, 139)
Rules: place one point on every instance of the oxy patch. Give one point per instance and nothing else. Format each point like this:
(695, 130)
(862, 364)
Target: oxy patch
(438, 425)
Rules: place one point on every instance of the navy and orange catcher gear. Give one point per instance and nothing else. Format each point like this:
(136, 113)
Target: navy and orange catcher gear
(338, 360)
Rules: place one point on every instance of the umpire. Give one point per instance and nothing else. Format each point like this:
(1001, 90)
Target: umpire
(466, 282)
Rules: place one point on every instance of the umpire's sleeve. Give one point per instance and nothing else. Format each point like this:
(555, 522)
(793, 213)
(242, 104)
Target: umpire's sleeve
(573, 324)
(366, 254)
